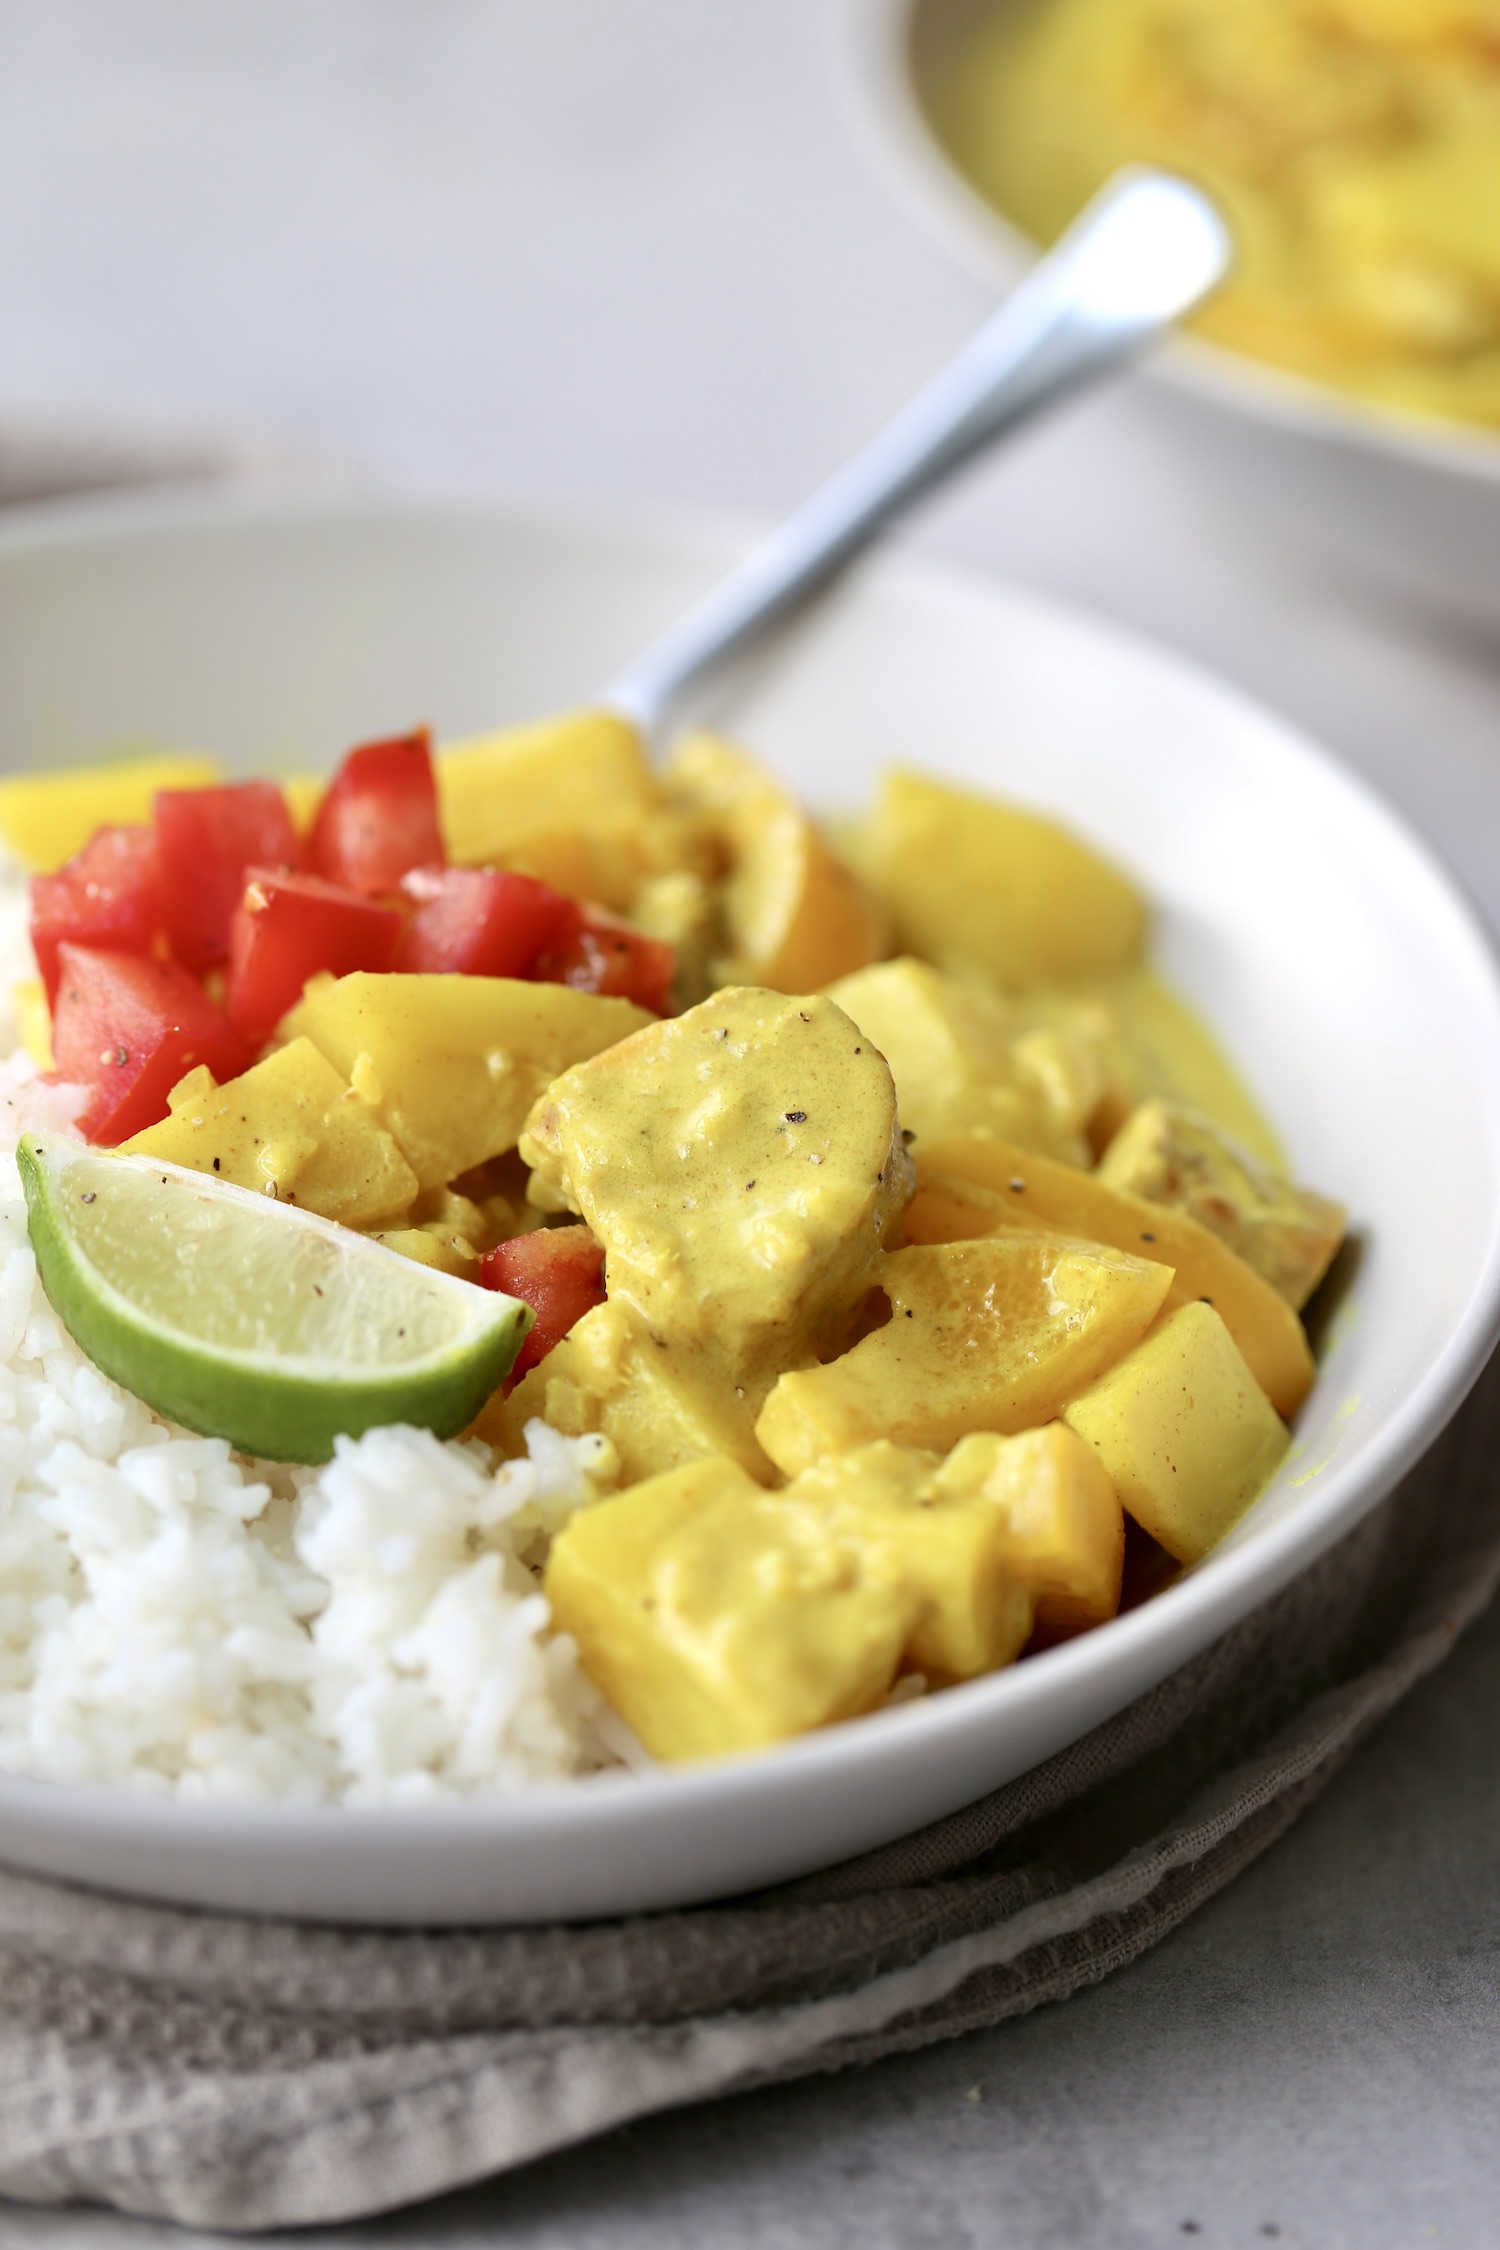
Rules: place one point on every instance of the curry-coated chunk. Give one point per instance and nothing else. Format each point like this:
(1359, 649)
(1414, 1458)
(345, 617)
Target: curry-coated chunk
(974, 885)
(648, 1397)
(718, 1617)
(965, 1062)
(743, 1167)
(289, 1127)
(1032, 1188)
(990, 1335)
(1179, 1158)
(794, 916)
(452, 1064)
(1064, 1529)
(1184, 1431)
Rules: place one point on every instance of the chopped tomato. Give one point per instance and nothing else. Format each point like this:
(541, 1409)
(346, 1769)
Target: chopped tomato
(128, 1029)
(109, 894)
(559, 1272)
(289, 927)
(608, 956)
(483, 921)
(379, 817)
(208, 839)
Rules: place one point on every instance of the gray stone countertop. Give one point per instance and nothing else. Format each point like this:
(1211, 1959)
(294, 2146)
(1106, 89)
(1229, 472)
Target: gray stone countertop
(630, 249)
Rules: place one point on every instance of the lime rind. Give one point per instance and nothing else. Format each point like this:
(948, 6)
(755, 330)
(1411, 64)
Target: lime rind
(433, 1360)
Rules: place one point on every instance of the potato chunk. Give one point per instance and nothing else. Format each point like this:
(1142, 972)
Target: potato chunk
(46, 817)
(582, 770)
(1184, 1431)
(648, 1396)
(989, 1335)
(1077, 1203)
(973, 885)
(452, 1064)
(964, 1063)
(290, 1127)
(742, 1166)
(717, 1617)
(1064, 1528)
(1181, 1159)
(795, 917)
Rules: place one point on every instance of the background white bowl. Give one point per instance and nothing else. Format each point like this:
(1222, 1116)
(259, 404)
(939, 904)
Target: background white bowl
(1415, 502)
(1348, 978)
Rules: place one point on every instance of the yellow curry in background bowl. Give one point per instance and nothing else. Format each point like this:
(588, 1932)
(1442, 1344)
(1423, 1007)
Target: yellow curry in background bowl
(1355, 145)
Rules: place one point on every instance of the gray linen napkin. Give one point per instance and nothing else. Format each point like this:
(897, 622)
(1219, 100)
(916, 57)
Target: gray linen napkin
(243, 2075)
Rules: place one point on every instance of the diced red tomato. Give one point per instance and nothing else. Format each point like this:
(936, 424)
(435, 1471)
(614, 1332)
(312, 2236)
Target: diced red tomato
(208, 839)
(559, 1272)
(128, 1029)
(379, 817)
(608, 956)
(109, 895)
(288, 927)
(483, 921)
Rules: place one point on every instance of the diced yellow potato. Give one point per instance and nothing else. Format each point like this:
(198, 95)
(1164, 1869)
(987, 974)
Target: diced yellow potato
(973, 885)
(34, 1021)
(583, 770)
(942, 1538)
(1183, 1429)
(451, 1065)
(1174, 1156)
(989, 1335)
(289, 1127)
(795, 916)
(1077, 1203)
(742, 1166)
(654, 1402)
(46, 817)
(719, 1618)
(964, 1063)
(1064, 1528)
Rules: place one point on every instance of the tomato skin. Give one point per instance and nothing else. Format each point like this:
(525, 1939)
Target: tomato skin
(559, 1272)
(208, 838)
(128, 1029)
(379, 817)
(609, 957)
(482, 922)
(108, 895)
(289, 927)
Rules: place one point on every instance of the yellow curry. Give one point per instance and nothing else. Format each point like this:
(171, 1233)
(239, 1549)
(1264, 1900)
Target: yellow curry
(937, 1238)
(1355, 145)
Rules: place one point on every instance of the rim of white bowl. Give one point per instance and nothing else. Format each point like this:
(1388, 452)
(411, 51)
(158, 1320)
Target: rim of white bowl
(867, 42)
(1184, 1618)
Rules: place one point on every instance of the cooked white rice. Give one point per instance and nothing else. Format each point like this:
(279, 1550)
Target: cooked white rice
(179, 1620)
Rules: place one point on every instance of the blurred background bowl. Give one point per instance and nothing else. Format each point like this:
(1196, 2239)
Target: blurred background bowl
(1415, 502)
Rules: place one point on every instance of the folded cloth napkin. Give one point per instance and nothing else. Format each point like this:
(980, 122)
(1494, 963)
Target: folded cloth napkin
(247, 2075)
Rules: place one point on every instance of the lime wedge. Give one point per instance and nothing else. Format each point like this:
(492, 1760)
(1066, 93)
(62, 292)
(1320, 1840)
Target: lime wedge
(248, 1319)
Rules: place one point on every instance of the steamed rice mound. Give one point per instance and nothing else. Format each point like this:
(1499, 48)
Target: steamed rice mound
(185, 1622)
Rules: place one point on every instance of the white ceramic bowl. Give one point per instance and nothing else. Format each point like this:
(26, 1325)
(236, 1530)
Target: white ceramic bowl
(1413, 501)
(1347, 976)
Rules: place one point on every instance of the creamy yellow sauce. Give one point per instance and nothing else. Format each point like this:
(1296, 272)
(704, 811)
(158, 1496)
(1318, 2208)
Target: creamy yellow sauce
(1354, 144)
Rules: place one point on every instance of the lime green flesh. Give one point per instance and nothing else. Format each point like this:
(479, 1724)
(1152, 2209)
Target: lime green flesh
(250, 1320)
